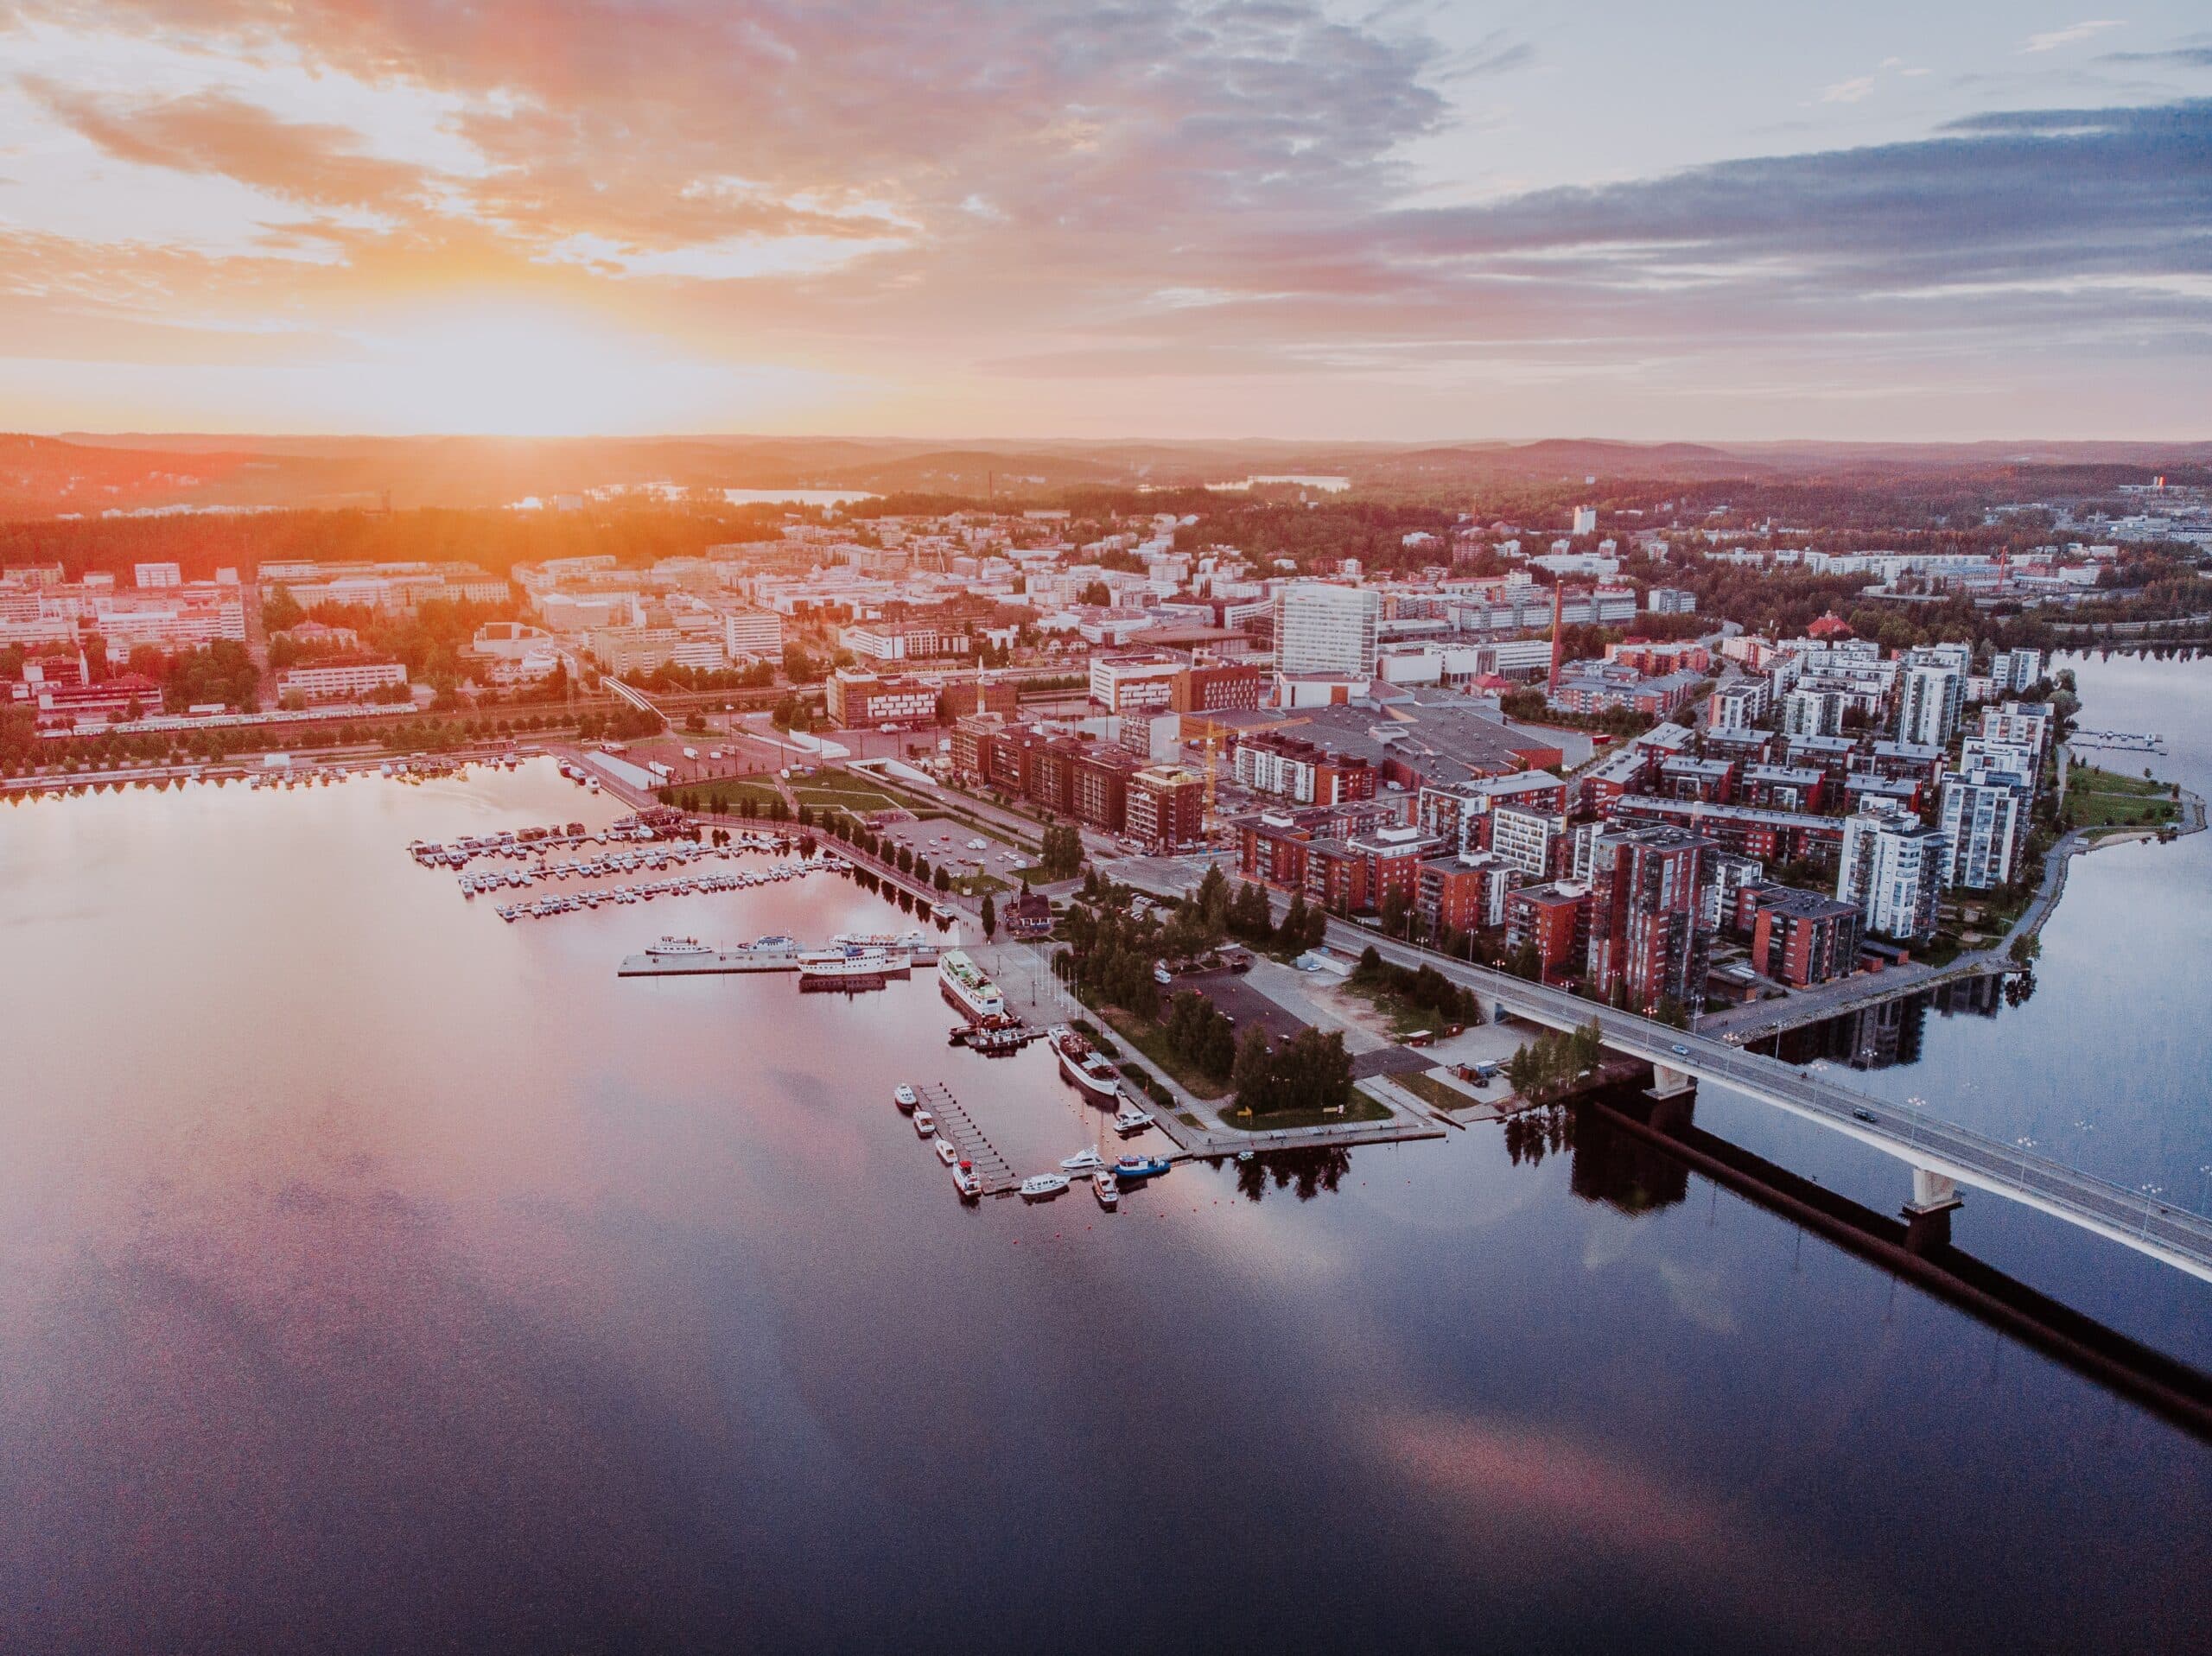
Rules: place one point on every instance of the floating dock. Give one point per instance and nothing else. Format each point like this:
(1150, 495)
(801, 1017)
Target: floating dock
(955, 1124)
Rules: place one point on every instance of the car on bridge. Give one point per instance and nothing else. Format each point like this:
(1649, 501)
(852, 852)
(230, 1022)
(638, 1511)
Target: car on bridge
(1679, 1051)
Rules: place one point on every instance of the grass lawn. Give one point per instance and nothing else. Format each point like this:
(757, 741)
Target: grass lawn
(1151, 1040)
(1406, 1018)
(857, 800)
(1424, 1085)
(977, 885)
(942, 807)
(1362, 1106)
(2097, 798)
(727, 798)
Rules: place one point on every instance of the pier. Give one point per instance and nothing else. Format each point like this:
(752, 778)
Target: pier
(956, 1126)
(2118, 741)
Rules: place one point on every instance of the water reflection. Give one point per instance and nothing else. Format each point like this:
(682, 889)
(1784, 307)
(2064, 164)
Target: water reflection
(1306, 1173)
(1621, 1170)
(1893, 1032)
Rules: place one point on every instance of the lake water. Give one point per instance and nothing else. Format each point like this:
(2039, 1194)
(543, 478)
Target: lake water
(374, 1275)
(1325, 485)
(796, 496)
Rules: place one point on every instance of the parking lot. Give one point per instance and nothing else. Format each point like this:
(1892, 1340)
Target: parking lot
(954, 845)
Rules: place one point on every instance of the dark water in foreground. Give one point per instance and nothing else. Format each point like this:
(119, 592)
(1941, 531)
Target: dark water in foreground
(374, 1275)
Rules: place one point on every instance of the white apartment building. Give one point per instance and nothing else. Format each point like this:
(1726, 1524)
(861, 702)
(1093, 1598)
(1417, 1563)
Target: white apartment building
(2014, 670)
(2024, 724)
(1894, 868)
(156, 575)
(754, 633)
(339, 680)
(1324, 628)
(1737, 705)
(1524, 839)
(1813, 712)
(1138, 683)
(1985, 818)
(1929, 700)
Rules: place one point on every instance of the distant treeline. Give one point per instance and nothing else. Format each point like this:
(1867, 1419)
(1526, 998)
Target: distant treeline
(201, 543)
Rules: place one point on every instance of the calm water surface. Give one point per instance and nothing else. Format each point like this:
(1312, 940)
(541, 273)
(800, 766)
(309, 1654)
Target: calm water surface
(374, 1275)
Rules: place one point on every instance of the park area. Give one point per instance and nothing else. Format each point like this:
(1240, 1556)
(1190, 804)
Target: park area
(2099, 799)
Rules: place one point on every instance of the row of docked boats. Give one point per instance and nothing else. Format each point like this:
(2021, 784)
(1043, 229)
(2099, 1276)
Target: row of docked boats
(686, 886)
(965, 1178)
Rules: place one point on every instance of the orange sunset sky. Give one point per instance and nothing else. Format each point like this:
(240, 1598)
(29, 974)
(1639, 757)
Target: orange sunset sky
(1157, 217)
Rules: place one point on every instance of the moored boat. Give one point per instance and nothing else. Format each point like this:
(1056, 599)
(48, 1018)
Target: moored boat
(1043, 1187)
(905, 1096)
(965, 985)
(945, 1152)
(967, 1180)
(1141, 1167)
(1085, 1065)
(1129, 1119)
(924, 1125)
(1106, 1188)
(1084, 1161)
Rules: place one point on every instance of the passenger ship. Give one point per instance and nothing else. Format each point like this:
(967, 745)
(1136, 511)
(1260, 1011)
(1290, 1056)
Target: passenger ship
(966, 987)
(917, 946)
(848, 968)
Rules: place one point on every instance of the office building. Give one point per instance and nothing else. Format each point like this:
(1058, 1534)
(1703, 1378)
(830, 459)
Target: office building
(1324, 628)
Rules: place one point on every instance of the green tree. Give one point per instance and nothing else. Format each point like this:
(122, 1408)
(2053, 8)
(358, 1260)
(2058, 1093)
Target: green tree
(990, 918)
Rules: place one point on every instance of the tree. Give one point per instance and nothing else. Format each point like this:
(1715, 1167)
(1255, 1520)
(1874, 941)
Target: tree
(1395, 908)
(990, 918)
(1212, 901)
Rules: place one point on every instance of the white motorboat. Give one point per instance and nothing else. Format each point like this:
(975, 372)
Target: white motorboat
(905, 1096)
(1129, 1119)
(967, 1180)
(924, 1125)
(1043, 1187)
(677, 948)
(1084, 1161)
(1104, 1186)
(945, 1152)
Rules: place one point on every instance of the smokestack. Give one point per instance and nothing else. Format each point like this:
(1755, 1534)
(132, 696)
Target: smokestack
(1559, 593)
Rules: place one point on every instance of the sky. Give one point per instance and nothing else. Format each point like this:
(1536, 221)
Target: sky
(1163, 218)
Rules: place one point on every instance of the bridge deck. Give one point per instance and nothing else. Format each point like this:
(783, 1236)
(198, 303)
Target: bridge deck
(2166, 1232)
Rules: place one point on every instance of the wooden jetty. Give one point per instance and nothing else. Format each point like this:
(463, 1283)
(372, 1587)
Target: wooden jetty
(955, 1124)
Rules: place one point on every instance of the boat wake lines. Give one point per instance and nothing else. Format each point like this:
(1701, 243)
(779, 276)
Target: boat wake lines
(954, 1123)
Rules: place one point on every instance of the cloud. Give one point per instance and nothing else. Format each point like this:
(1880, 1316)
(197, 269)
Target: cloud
(983, 198)
(2072, 35)
(2179, 57)
(211, 132)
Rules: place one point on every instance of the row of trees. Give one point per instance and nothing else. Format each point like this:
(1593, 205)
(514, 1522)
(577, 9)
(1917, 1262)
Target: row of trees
(1062, 856)
(1423, 986)
(1555, 1060)
(1111, 961)
(1198, 1033)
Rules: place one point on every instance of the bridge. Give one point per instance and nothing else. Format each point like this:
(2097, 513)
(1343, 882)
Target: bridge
(1942, 1157)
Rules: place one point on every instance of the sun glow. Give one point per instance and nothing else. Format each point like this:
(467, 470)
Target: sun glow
(539, 371)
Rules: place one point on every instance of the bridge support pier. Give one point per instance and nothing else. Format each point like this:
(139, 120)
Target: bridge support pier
(1928, 1215)
(1674, 1097)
